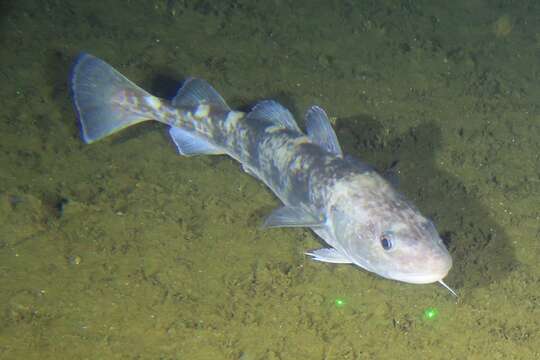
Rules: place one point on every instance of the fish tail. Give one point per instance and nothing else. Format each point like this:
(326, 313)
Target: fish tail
(105, 100)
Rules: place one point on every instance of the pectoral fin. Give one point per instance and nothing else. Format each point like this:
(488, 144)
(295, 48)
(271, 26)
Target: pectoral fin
(329, 255)
(289, 216)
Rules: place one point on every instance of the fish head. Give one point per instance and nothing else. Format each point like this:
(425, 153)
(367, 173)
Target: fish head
(380, 231)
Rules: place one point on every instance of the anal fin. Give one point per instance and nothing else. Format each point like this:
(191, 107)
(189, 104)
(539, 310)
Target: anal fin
(189, 144)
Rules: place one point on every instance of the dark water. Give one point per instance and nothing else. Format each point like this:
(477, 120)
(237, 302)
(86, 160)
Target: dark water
(122, 249)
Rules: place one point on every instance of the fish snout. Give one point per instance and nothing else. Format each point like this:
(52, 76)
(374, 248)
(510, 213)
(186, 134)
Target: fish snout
(428, 270)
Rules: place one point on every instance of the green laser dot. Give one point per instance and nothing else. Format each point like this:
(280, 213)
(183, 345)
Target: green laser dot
(339, 302)
(431, 313)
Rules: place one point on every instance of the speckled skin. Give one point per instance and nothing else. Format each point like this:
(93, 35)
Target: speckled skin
(355, 204)
(353, 207)
(296, 170)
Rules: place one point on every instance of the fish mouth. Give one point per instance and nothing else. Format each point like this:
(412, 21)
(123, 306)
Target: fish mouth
(431, 272)
(420, 278)
(426, 277)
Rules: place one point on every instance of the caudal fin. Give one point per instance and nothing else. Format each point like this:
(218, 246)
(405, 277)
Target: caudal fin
(105, 100)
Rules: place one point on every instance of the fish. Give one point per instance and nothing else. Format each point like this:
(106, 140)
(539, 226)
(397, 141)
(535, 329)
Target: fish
(361, 217)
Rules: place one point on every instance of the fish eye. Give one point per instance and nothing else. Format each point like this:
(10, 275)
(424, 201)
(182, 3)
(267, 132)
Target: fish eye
(386, 240)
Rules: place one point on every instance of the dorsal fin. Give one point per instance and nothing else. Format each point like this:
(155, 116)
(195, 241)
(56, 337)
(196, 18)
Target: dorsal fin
(195, 92)
(320, 131)
(272, 111)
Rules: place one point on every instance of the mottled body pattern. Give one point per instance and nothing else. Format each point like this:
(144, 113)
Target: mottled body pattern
(296, 170)
(348, 204)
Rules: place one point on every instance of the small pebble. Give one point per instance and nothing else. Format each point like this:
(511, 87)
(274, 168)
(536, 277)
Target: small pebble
(74, 260)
